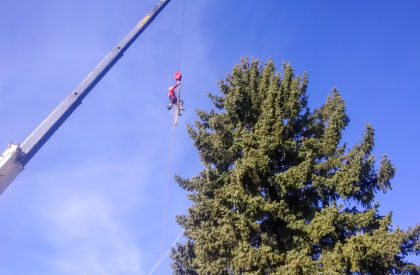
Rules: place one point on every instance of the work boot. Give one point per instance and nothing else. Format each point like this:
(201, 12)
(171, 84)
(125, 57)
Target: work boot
(169, 106)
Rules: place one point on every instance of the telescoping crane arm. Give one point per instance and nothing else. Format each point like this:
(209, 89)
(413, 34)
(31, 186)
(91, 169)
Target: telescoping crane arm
(16, 157)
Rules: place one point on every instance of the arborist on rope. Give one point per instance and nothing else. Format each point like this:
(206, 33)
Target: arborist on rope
(173, 100)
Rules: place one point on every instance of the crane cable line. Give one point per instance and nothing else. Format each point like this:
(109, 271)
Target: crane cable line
(182, 31)
(174, 122)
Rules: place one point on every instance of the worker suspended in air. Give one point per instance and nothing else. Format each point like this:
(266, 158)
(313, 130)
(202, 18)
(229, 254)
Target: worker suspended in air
(173, 99)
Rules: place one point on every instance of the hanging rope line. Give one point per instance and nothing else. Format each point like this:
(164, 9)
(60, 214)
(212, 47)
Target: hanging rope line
(165, 207)
(174, 123)
(181, 35)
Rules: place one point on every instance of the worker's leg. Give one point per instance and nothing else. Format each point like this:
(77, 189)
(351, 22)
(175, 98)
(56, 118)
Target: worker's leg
(172, 101)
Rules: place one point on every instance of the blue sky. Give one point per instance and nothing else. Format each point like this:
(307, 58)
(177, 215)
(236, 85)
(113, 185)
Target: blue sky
(91, 201)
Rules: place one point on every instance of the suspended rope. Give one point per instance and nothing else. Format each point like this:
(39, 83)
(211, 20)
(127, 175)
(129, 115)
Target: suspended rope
(181, 35)
(165, 207)
(174, 123)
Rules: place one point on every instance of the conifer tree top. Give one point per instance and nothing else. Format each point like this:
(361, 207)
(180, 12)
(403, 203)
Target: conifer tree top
(281, 193)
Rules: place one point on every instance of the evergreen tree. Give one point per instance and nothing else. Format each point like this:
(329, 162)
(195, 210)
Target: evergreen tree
(280, 192)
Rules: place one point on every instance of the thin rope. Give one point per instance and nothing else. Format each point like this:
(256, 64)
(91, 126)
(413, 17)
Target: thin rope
(165, 207)
(165, 255)
(174, 121)
(182, 31)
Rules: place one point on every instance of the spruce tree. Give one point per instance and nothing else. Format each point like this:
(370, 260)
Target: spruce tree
(280, 192)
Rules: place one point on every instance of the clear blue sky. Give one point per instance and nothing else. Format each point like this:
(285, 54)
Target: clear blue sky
(91, 201)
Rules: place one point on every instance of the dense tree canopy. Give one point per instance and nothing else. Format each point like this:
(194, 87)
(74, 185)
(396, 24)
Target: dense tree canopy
(280, 192)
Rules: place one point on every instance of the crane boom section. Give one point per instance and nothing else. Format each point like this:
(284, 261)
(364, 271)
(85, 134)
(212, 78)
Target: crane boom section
(15, 158)
(10, 167)
(47, 128)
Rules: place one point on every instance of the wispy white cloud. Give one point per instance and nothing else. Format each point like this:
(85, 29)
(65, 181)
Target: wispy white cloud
(89, 239)
(84, 229)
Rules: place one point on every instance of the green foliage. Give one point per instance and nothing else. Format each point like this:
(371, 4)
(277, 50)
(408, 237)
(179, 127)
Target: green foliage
(280, 192)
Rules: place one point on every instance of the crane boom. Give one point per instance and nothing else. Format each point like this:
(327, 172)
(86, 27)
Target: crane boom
(16, 157)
